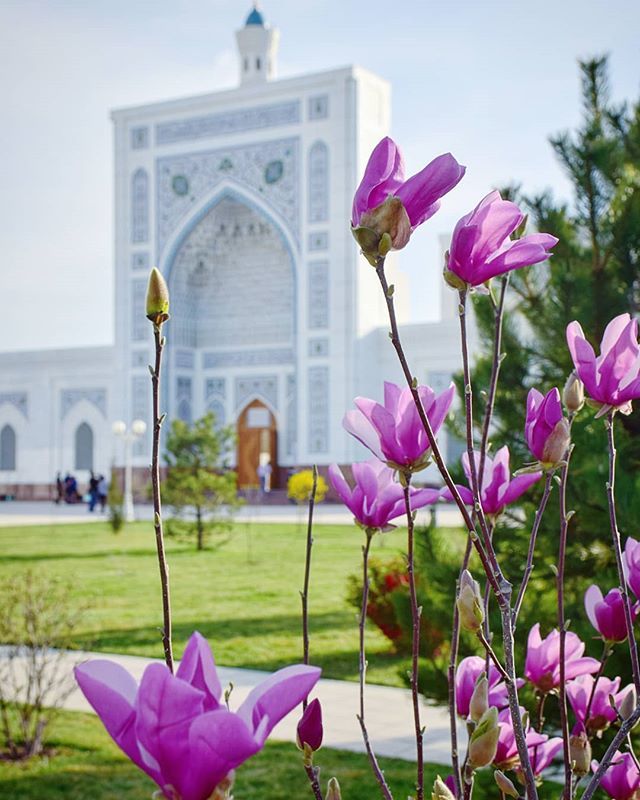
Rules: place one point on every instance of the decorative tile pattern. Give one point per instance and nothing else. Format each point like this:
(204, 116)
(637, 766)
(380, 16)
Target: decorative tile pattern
(318, 241)
(251, 166)
(319, 107)
(140, 261)
(226, 122)
(184, 359)
(140, 138)
(291, 443)
(215, 387)
(139, 207)
(318, 287)
(232, 288)
(141, 409)
(318, 386)
(318, 190)
(264, 386)
(183, 399)
(140, 325)
(318, 347)
(16, 399)
(139, 358)
(69, 397)
(248, 358)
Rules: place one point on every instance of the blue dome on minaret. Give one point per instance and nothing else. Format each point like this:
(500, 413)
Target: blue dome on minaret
(255, 18)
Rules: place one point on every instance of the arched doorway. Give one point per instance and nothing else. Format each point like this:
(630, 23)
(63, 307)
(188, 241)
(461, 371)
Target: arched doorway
(257, 435)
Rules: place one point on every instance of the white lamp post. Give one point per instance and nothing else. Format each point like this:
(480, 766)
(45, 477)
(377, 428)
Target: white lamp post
(119, 428)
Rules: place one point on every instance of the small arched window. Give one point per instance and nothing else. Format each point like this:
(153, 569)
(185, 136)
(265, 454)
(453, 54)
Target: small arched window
(7, 448)
(184, 411)
(84, 447)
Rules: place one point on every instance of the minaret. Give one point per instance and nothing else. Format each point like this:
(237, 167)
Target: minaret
(258, 49)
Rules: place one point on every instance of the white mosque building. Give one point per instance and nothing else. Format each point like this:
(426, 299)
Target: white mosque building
(242, 198)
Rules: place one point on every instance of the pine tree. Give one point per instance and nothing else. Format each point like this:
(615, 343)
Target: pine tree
(592, 277)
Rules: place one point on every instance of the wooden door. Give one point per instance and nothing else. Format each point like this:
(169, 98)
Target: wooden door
(257, 433)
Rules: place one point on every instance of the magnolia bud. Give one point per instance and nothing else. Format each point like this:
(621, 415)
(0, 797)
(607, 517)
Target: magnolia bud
(557, 443)
(628, 704)
(573, 393)
(450, 278)
(333, 790)
(504, 784)
(157, 298)
(309, 729)
(483, 742)
(470, 603)
(441, 791)
(479, 702)
(580, 751)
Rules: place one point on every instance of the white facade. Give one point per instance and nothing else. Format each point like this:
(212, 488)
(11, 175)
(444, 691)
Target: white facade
(242, 198)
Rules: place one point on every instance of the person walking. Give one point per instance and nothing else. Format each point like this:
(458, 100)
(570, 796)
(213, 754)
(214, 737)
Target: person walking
(103, 491)
(93, 492)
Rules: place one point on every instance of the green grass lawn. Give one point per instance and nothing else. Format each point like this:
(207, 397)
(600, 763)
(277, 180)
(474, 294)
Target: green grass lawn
(86, 765)
(243, 596)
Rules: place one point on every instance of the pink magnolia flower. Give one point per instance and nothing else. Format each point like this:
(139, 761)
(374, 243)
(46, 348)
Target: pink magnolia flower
(498, 488)
(546, 429)
(541, 755)
(176, 729)
(631, 561)
(601, 714)
(542, 662)
(481, 247)
(622, 780)
(613, 378)
(309, 730)
(606, 614)
(466, 676)
(393, 431)
(507, 752)
(377, 496)
(386, 203)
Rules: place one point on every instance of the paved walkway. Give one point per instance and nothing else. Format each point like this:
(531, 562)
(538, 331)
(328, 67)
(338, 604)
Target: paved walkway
(13, 513)
(388, 711)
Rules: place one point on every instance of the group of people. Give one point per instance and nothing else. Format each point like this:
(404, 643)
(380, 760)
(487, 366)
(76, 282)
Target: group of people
(67, 491)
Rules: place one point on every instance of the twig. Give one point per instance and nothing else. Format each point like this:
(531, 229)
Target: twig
(495, 371)
(491, 655)
(628, 618)
(304, 594)
(604, 765)
(386, 791)
(501, 587)
(532, 546)
(157, 503)
(562, 696)
(416, 612)
(603, 663)
(312, 774)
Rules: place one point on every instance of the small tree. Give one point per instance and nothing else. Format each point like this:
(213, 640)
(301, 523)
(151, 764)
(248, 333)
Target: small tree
(200, 487)
(115, 501)
(37, 623)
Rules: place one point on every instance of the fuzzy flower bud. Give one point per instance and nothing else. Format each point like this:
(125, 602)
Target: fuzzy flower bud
(483, 743)
(333, 790)
(157, 298)
(504, 784)
(580, 751)
(470, 603)
(441, 791)
(573, 393)
(309, 731)
(479, 702)
(629, 703)
(557, 443)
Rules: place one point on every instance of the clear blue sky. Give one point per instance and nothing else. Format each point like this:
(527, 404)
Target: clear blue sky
(487, 80)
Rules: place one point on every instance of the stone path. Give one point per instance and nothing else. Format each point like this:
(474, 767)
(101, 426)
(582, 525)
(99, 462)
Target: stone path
(18, 513)
(388, 711)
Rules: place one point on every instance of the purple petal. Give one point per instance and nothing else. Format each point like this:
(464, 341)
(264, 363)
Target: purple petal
(519, 486)
(383, 175)
(355, 423)
(274, 698)
(592, 597)
(198, 668)
(218, 742)
(523, 252)
(420, 193)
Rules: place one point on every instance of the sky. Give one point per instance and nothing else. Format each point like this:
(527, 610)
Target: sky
(488, 81)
